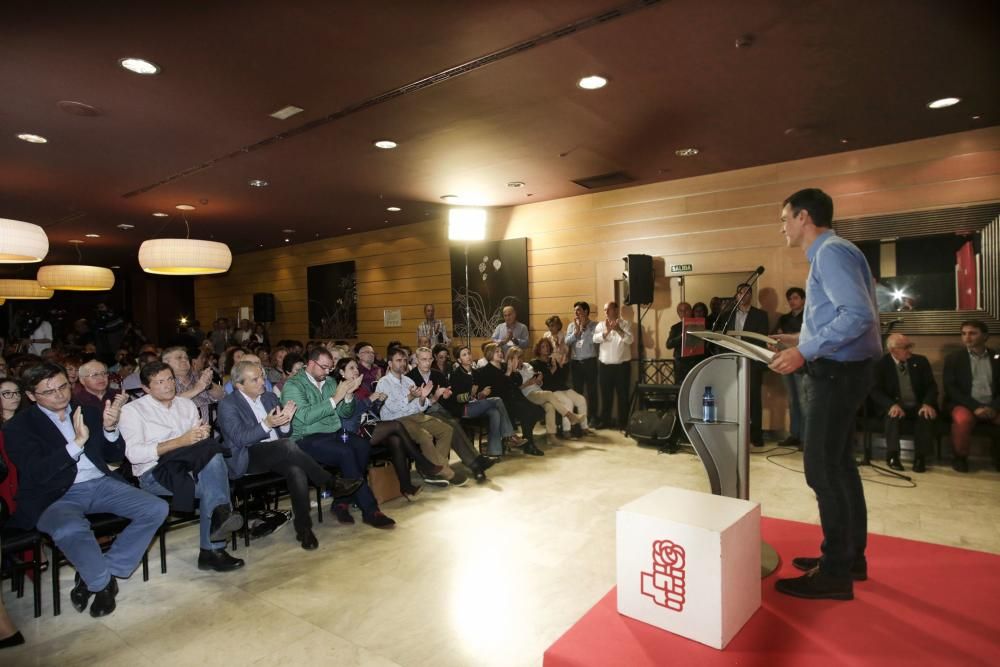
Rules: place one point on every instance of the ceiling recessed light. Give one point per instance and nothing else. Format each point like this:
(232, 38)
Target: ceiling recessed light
(93, 236)
(32, 138)
(139, 66)
(288, 240)
(845, 140)
(160, 214)
(75, 241)
(385, 144)
(515, 184)
(592, 82)
(394, 209)
(686, 152)
(257, 183)
(78, 108)
(125, 227)
(184, 207)
(944, 102)
(449, 197)
(115, 266)
(977, 116)
(287, 231)
(286, 112)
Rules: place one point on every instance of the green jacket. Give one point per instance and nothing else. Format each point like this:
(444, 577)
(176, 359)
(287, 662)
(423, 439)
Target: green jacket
(314, 413)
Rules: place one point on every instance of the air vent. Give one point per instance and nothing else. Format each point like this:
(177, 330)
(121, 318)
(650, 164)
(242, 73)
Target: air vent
(604, 180)
(78, 108)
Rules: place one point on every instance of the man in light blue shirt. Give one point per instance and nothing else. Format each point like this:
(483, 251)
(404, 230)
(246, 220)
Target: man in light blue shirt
(580, 340)
(836, 348)
(510, 333)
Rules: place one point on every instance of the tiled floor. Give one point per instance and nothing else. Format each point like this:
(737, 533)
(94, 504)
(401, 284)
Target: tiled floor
(476, 576)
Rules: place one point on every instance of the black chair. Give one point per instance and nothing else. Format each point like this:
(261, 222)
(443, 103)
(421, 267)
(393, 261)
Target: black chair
(478, 429)
(105, 526)
(14, 543)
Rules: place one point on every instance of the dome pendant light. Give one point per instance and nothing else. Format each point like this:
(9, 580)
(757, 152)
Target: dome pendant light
(23, 289)
(184, 257)
(22, 242)
(76, 277)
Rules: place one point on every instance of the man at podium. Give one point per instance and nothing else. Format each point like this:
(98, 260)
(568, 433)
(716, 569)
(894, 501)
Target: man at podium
(837, 345)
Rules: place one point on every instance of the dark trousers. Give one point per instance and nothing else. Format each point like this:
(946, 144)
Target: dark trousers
(282, 456)
(584, 374)
(832, 392)
(756, 408)
(923, 432)
(525, 412)
(350, 457)
(615, 382)
(460, 443)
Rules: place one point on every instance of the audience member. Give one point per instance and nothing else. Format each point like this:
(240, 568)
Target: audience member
(442, 359)
(531, 388)
(675, 340)
(369, 370)
(748, 318)
(61, 453)
(172, 454)
(273, 369)
(199, 388)
(510, 333)
(41, 336)
(435, 331)
(554, 379)
(972, 391)
(468, 401)
(12, 399)
(614, 336)
(791, 323)
(557, 337)
(93, 389)
(503, 380)
(584, 351)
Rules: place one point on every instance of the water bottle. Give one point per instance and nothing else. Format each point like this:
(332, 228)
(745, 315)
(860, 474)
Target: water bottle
(708, 406)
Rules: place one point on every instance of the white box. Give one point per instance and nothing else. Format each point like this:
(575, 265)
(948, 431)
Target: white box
(689, 563)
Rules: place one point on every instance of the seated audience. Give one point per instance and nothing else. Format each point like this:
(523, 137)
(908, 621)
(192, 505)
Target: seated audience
(442, 359)
(905, 390)
(93, 389)
(131, 383)
(555, 379)
(61, 453)
(72, 366)
(503, 380)
(256, 431)
(369, 369)
(321, 403)
(254, 359)
(196, 387)
(972, 391)
(510, 333)
(468, 401)
(408, 404)
(172, 454)
(273, 370)
(12, 399)
(531, 387)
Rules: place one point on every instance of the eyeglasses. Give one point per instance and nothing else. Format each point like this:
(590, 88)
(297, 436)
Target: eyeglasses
(163, 381)
(98, 374)
(52, 392)
(10, 394)
(325, 368)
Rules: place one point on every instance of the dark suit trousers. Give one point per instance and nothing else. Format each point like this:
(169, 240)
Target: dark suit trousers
(584, 373)
(350, 457)
(923, 433)
(282, 456)
(756, 409)
(615, 382)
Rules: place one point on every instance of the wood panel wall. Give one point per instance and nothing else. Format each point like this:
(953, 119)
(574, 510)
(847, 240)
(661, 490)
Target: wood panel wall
(717, 223)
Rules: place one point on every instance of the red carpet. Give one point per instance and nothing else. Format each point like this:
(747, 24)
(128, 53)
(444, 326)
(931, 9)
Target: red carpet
(923, 604)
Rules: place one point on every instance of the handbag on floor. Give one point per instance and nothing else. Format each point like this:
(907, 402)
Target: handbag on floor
(383, 482)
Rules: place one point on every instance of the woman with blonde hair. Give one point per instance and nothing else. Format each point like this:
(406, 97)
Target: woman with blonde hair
(531, 387)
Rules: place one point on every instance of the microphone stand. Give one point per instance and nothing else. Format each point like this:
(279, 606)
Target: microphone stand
(749, 282)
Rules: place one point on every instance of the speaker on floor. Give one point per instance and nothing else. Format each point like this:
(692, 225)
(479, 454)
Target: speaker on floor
(263, 307)
(640, 279)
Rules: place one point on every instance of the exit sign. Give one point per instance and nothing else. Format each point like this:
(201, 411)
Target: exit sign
(679, 268)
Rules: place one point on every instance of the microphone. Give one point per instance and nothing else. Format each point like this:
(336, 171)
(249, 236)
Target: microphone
(751, 279)
(759, 271)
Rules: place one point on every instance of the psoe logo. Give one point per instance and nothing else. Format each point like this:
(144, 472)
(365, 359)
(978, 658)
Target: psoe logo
(665, 584)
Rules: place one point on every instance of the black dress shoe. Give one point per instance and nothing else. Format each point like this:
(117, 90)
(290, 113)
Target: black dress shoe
(479, 467)
(919, 465)
(80, 595)
(817, 585)
(104, 600)
(378, 520)
(790, 441)
(893, 462)
(15, 639)
(218, 560)
(532, 449)
(224, 522)
(307, 540)
(960, 464)
(345, 486)
(343, 513)
(859, 570)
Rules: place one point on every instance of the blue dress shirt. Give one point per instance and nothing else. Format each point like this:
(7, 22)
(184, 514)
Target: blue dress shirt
(582, 342)
(85, 468)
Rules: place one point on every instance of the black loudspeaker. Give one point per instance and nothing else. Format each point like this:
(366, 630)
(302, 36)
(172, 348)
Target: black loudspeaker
(263, 307)
(640, 279)
(650, 427)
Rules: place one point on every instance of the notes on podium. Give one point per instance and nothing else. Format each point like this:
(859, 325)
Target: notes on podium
(742, 347)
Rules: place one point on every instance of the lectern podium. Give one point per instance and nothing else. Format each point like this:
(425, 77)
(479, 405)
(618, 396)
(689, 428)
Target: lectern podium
(724, 444)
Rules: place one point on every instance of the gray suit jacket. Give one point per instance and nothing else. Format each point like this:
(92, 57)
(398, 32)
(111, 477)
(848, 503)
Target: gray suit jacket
(240, 428)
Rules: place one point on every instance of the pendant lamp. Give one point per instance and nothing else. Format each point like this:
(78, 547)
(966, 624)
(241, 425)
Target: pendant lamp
(76, 277)
(184, 257)
(23, 289)
(22, 242)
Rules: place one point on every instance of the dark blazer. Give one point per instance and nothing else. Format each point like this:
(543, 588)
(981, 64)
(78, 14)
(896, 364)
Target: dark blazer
(885, 393)
(675, 338)
(756, 322)
(958, 380)
(45, 471)
(240, 428)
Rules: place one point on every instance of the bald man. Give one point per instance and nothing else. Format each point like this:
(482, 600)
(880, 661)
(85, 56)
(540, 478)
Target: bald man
(93, 387)
(905, 390)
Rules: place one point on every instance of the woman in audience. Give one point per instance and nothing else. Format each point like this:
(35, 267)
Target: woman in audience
(555, 378)
(234, 355)
(260, 334)
(557, 336)
(503, 379)
(273, 371)
(389, 434)
(11, 399)
(442, 359)
(291, 365)
(531, 387)
(468, 401)
(72, 366)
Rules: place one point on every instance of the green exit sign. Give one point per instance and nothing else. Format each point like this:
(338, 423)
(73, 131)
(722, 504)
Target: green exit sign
(679, 268)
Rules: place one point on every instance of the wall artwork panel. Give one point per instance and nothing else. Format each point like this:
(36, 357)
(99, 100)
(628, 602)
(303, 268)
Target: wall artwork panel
(333, 301)
(498, 277)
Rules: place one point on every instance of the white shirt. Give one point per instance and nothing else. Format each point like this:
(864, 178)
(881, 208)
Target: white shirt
(397, 403)
(260, 412)
(319, 387)
(43, 332)
(615, 348)
(527, 372)
(146, 423)
(740, 319)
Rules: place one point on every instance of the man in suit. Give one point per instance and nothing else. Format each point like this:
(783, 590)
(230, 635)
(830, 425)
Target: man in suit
(905, 390)
(972, 391)
(61, 452)
(748, 318)
(675, 339)
(256, 429)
